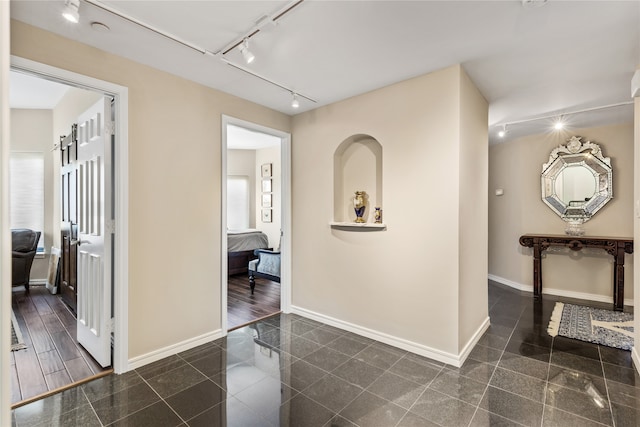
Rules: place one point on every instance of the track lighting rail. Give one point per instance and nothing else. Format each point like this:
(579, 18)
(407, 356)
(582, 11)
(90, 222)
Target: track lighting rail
(146, 26)
(254, 74)
(557, 115)
(219, 54)
(261, 24)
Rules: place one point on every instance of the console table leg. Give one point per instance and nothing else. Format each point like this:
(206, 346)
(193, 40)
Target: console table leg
(537, 271)
(616, 247)
(618, 280)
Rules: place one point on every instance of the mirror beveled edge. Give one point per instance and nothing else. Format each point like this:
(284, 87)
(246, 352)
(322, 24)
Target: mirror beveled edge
(587, 154)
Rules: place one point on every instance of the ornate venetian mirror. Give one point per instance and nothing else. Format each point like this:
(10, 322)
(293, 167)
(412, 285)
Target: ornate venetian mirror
(577, 182)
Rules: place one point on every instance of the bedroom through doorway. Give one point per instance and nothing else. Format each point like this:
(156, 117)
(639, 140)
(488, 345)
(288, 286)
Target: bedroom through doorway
(254, 224)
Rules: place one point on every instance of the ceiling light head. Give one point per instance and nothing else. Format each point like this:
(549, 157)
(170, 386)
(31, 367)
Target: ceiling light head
(71, 11)
(529, 4)
(294, 101)
(558, 125)
(503, 132)
(246, 53)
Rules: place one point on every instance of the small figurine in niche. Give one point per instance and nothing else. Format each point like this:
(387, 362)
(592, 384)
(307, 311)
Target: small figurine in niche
(377, 216)
(359, 206)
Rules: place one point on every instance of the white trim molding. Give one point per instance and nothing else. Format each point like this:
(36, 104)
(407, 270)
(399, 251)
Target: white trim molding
(432, 353)
(173, 349)
(558, 292)
(285, 225)
(5, 239)
(121, 193)
(635, 356)
(466, 350)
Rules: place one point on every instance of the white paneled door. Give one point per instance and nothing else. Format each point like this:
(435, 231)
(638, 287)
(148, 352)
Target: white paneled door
(94, 231)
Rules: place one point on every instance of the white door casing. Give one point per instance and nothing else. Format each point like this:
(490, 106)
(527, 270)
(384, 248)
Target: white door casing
(94, 231)
(285, 239)
(120, 260)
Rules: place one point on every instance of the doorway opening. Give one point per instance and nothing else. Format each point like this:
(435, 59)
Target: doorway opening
(256, 164)
(57, 354)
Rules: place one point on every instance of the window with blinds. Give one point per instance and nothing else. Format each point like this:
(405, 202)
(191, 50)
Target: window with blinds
(237, 202)
(26, 190)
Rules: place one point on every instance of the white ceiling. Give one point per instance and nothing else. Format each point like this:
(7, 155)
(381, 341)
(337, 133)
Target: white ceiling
(528, 62)
(26, 91)
(239, 138)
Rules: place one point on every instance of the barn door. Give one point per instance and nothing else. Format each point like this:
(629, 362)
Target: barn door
(69, 224)
(94, 231)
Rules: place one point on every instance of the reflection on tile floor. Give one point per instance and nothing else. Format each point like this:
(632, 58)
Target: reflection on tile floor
(292, 371)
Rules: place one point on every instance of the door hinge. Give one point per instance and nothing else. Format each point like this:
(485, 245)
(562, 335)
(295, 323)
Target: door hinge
(111, 226)
(110, 127)
(110, 325)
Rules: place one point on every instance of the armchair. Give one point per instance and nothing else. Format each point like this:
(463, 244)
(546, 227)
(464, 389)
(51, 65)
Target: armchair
(24, 243)
(267, 265)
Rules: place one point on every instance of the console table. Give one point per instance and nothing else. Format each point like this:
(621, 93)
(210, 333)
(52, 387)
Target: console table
(614, 246)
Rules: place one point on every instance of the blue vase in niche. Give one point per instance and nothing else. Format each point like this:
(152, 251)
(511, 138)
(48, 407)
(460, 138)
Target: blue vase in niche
(377, 216)
(359, 206)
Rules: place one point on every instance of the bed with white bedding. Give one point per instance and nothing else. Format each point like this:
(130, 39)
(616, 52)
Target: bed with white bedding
(240, 247)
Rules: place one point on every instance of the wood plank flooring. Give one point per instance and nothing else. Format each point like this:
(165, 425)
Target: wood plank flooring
(52, 358)
(242, 307)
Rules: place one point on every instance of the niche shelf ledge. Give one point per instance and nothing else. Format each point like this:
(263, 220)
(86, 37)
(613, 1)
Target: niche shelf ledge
(356, 226)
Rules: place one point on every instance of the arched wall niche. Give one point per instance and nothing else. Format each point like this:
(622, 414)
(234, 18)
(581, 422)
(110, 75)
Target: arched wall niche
(357, 165)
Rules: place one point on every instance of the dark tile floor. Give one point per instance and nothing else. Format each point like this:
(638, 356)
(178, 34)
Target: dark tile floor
(291, 371)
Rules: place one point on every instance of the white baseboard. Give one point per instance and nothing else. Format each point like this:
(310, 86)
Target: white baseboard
(37, 282)
(558, 292)
(422, 350)
(172, 349)
(473, 341)
(635, 356)
(511, 283)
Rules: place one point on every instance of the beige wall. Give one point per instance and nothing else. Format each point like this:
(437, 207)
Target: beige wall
(636, 228)
(31, 131)
(515, 166)
(248, 163)
(472, 209)
(272, 229)
(243, 163)
(403, 281)
(5, 239)
(174, 186)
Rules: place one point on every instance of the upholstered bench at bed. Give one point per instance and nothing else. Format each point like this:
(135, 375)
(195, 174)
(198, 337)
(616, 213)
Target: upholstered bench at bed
(240, 247)
(267, 265)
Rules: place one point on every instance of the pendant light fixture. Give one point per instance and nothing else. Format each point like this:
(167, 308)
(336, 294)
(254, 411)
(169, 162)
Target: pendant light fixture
(71, 11)
(246, 53)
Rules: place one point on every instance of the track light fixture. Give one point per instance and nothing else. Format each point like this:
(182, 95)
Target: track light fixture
(530, 4)
(242, 43)
(246, 53)
(557, 121)
(71, 11)
(559, 124)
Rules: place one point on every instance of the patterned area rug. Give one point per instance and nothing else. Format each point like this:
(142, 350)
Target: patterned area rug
(16, 336)
(605, 327)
